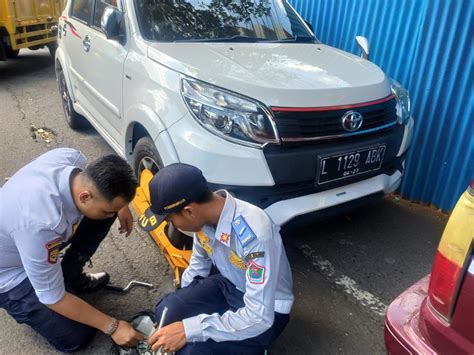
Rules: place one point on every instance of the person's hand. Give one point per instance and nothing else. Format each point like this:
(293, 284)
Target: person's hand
(171, 338)
(126, 335)
(126, 220)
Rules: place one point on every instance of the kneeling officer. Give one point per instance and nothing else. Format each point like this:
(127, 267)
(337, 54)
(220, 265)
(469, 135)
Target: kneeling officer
(40, 206)
(244, 306)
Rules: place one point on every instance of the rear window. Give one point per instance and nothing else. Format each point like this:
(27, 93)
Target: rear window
(82, 10)
(216, 20)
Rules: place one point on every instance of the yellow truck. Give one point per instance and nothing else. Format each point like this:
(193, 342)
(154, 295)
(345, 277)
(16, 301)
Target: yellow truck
(28, 24)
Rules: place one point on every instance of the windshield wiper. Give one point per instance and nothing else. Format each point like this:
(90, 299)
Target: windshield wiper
(247, 39)
(236, 38)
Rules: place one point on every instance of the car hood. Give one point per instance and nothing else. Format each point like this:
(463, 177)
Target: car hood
(278, 74)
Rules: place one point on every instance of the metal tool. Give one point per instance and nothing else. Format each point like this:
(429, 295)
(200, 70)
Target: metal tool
(144, 324)
(127, 288)
(162, 319)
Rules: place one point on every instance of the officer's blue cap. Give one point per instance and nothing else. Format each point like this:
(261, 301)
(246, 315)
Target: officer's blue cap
(171, 189)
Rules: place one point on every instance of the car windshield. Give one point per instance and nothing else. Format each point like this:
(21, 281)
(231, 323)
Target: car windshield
(220, 21)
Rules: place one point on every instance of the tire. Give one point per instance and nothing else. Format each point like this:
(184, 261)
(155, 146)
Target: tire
(146, 156)
(73, 119)
(11, 53)
(52, 49)
(179, 240)
(3, 54)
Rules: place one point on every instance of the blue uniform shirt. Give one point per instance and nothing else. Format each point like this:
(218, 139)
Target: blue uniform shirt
(247, 249)
(37, 214)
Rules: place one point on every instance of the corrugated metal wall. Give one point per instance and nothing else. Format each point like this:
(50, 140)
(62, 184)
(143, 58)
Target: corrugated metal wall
(427, 46)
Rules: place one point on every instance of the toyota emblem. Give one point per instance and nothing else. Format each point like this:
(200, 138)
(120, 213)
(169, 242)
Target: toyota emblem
(352, 121)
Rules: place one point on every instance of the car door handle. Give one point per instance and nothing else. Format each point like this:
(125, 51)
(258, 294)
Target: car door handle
(86, 43)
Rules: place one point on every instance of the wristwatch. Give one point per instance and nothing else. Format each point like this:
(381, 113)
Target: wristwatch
(112, 327)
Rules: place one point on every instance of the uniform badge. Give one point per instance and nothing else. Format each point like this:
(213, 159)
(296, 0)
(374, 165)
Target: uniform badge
(204, 240)
(243, 231)
(255, 273)
(254, 255)
(225, 239)
(236, 260)
(53, 248)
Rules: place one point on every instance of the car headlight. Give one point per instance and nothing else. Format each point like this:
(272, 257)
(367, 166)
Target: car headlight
(229, 115)
(403, 101)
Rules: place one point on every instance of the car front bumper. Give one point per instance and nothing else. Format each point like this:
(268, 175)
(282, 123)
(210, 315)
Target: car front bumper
(282, 179)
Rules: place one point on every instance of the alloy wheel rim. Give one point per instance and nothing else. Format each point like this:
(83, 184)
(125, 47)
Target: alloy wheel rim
(65, 98)
(148, 163)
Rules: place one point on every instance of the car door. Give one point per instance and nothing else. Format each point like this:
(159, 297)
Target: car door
(74, 34)
(103, 74)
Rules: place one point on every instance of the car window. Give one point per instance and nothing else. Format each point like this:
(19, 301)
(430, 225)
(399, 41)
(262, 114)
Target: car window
(100, 6)
(82, 10)
(220, 20)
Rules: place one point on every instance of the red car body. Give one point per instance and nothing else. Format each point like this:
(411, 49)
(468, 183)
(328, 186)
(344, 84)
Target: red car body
(436, 314)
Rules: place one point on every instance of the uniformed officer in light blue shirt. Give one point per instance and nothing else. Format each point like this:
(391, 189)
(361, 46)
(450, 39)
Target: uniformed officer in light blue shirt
(54, 201)
(245, 305)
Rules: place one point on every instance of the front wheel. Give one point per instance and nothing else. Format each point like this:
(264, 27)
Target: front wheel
(146, 156)
(11, 53)
(73, 119)
(52, 47)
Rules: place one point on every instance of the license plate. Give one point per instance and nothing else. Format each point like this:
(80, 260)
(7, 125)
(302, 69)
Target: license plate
(341, 166)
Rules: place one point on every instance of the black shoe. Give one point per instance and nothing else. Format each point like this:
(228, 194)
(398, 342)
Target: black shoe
(74, 276)
(89, 282)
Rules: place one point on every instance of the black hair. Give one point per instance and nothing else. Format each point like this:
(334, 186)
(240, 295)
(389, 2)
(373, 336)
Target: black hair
(206, 196)
(113, 177)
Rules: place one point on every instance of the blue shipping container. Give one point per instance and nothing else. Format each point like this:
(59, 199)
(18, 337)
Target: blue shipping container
(427, 46)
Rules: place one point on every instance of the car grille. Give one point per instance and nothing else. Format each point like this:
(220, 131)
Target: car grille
(308, 124)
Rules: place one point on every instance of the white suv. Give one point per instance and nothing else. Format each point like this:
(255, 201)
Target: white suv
(241, 89)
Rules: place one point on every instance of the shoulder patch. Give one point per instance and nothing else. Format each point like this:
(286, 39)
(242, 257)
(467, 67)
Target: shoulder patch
(53, 248)
(243, 231)
(255, 273)
(254, 255)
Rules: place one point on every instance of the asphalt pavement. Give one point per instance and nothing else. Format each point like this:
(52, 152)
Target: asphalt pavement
(346, 269)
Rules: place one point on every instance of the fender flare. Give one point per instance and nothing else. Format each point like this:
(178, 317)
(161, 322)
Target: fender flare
(154, 127)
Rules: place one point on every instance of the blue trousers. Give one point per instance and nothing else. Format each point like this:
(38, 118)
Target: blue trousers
(63, 333)
(215, 294)
(23, 305)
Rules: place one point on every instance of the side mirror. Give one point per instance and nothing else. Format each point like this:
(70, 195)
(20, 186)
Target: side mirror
(364, 46)
(111, 23)
(309, 25)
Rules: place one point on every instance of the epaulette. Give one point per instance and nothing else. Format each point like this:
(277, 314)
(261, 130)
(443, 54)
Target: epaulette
(243, 231)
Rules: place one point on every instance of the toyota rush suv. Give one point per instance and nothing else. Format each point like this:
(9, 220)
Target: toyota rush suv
(241, 89)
